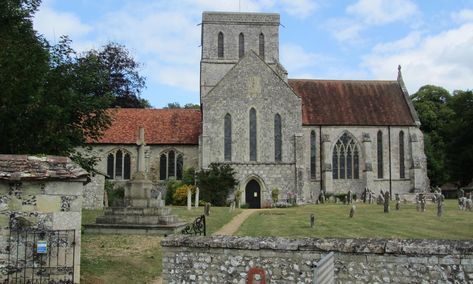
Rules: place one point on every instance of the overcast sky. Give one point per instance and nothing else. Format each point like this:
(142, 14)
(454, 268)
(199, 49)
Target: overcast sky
(359, 39)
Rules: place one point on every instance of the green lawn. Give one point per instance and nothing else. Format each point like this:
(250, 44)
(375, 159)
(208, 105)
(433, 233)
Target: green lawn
(133, 258)
(332, 221)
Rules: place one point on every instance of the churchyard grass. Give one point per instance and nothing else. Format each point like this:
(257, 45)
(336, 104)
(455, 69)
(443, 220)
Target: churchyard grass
(134, 258)
(332, 220)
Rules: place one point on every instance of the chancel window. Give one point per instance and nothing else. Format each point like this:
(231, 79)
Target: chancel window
(118, 165)
(277, 138)
(253, 140)
(171, 165)
(379, 142)
(241, 45)
(261, 45)
(345, 158)
(402, 170)
(227, 137)
(312, 154)
(220, 47)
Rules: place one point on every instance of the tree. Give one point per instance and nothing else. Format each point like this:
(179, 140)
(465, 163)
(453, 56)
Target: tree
(460, 133)
(431, 103)
(216, 183)
(177, 105)
(48, 103)
(124, 81)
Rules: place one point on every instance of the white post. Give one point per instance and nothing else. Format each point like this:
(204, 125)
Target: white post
(196, 197)
(189, 199)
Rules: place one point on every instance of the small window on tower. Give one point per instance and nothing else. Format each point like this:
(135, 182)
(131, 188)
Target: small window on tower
(220, 46)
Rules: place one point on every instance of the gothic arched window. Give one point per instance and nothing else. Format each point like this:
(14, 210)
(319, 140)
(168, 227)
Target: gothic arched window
(261, 45)
(345, 158)
(171, 164)
(379, 146)
(227, 147)
(253, 140)
(241, 45)
(119, 165)
(402, 171)
(220, 45)
(277, 138)
(312, 155)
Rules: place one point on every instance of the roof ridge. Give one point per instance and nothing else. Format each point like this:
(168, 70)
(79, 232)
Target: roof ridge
(342, 80)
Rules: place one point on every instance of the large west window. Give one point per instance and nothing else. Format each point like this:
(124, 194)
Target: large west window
(346, 158)
(118, 165)
(171, 165)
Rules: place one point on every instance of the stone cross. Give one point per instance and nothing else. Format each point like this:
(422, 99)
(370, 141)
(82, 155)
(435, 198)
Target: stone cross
(196, 197)
(141, 150)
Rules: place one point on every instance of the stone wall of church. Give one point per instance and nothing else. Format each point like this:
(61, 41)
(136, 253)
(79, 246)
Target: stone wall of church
(366, 137)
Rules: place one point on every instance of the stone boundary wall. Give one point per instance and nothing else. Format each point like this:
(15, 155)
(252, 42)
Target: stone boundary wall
(227, 259)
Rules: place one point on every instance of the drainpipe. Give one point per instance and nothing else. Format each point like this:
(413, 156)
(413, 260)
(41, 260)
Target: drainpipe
(390, 179)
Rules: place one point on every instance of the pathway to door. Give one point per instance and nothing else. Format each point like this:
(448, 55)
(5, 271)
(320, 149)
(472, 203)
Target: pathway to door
(231, 227)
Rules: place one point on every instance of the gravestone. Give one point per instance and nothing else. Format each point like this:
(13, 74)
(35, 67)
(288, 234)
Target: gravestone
(322, 197)
(207, 209)
(197, 197)
(417, 202)
(312, 220)
(349, 197)
(386, 202)
(352, 211)
(422, 202)
(439, 198)
(398, 202)
(189, 198)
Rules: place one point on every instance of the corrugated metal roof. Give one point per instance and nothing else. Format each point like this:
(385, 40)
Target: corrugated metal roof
(343, 102)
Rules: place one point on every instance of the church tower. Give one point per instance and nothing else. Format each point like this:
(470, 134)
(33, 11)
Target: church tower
(227, 37)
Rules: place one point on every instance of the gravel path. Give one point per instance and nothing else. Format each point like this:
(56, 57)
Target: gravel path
(231, 227)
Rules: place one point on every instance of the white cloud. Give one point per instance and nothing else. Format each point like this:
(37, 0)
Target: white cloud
(299, 8)
(444, 59)
(53, 24)
(294, 58)
(378, 12)
(410, 41)
(462, 16)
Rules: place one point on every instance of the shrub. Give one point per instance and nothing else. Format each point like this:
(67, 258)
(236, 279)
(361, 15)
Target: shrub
(215, 184)
(171, 187)
(114, 194)
(180, 195)
(275, 195)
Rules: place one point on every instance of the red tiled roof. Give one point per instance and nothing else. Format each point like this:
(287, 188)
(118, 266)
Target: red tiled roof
(340, 102)
(162, 126)
(23, 167)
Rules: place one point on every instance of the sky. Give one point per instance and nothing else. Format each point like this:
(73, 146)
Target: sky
(340, 39)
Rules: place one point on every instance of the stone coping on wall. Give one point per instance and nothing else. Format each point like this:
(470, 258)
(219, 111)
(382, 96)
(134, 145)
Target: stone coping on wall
(341, 245)
(24, 167)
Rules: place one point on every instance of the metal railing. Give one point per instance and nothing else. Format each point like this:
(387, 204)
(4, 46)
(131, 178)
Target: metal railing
(324, 270)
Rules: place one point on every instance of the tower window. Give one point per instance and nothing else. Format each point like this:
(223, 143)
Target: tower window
(220, 47)
(261, 45)
(241, 45)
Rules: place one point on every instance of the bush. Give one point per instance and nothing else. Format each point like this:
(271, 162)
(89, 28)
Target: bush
(114, 194)
(171, 187)
(215, 184)
(275, 195)
(180, 195)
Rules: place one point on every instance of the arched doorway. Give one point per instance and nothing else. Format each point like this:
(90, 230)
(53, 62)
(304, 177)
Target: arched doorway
(253, 194)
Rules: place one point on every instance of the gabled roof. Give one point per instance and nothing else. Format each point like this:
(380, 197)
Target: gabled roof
(162, 126)
(23, 167)
(342, 102)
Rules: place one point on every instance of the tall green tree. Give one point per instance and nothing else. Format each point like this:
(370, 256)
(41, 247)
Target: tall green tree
(431, 103)
(48, 99)
(124, 81)
(216, 183)
(460, 137)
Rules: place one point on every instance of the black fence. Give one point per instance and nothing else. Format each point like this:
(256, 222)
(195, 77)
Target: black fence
(41, 256)
(198, 227)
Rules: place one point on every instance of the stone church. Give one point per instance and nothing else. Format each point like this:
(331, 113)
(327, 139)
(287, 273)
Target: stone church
(300, 136)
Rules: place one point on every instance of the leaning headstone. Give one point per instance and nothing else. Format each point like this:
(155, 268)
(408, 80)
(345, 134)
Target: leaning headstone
(370, 197)
(417, 202)
(312, 220)
(232, 206)
(380, 200)
(440, 199)
(422, 202)
(322, 197)
(398, 202)
(349, 197)
(468, 204)
(196, 197)
(207, 209)
(189, 198)
(386, 202)
(364, 196)
(352, 211)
